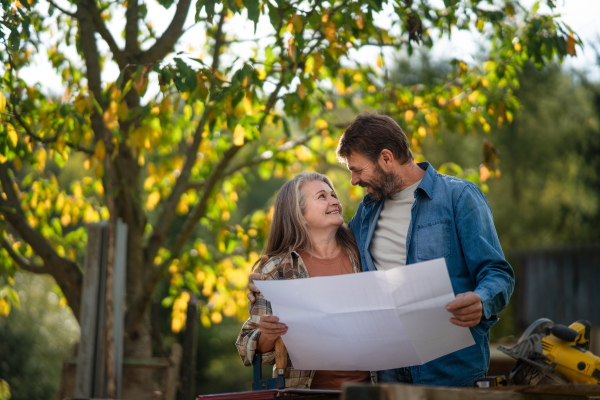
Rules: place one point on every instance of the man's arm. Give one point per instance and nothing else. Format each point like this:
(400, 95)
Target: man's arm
(491, 273)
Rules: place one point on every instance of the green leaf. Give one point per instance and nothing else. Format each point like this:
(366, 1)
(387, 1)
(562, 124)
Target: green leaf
(252, 7)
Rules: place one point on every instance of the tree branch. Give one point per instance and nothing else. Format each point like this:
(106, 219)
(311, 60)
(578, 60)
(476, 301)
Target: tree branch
(164, 45)
(195, 215)
(62, 10)
(166, 215)
(219, 41)
(198, 185)
(12, 198)
(91, 57)
(66, 272)
(117, 53)
(132, 29)
(53, 139)
(23, 262)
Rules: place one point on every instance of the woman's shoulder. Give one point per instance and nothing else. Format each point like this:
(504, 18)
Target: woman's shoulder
(276, 263)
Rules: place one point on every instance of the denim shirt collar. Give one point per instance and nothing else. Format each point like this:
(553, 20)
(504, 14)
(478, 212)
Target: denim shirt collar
(427, 183)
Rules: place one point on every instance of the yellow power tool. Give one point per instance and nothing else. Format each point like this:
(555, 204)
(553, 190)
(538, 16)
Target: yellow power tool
(549, 353)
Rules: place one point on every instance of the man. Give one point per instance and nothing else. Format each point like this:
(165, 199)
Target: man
(412, 214)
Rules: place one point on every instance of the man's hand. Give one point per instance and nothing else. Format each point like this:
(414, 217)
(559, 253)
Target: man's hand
(466, 309)
(255, 276)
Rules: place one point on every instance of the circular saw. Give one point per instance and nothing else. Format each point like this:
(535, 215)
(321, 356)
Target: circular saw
(550, 353)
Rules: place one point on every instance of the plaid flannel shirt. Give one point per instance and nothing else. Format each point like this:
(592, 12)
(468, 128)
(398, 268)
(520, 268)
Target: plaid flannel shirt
(291, 267)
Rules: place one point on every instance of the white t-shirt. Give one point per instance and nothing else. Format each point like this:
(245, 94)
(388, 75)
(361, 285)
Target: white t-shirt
(388, 246)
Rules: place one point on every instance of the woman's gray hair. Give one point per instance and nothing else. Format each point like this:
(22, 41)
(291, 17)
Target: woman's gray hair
(288, 230)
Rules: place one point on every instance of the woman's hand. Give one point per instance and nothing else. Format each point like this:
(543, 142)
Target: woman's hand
(270, 330)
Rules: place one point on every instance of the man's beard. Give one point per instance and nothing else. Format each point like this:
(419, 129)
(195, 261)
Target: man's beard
(384, 184)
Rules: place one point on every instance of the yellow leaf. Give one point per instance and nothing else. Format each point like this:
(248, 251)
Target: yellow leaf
(80, 104)
(90, 215)
(182, 207)
(225, 215)
(340, 87)
(99, 170)
(2, 102)
(571, 45)
(509, 117)
(153, 200)
(298, 23)
(302, 153)
(318, 61)
(177, 323)
(200, 275)
(473, 96)
(408, 115)
(12, 135)
(380, 61)
(41, 159)
(422, 131)
(216, 317)
(4, 307)
(301, 91)
(65, 219)
(248, 105)
(239, 135)
(479, 24)
(292, 49)
(321, 124)
(360, 22)
(484, 173)
(77, 191)
(229, 309)
(330, 31)
(205, 320)
(100, 150)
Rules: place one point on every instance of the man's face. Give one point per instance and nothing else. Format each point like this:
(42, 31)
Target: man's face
(379, 183)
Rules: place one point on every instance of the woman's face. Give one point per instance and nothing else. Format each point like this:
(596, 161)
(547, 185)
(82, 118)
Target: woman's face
(322, 209)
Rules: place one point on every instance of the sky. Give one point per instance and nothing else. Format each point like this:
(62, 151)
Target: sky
(580, 15)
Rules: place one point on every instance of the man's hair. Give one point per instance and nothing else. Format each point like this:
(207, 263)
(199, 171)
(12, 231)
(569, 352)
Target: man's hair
(288, 227)
(369, 134)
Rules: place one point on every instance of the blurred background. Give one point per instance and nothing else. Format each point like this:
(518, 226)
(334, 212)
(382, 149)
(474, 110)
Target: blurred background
(540, 173)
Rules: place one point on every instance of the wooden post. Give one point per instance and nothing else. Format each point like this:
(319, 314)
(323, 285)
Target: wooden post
(100, 354)
(188, 363)
(173, 373)
(89, 313)
(120, 272)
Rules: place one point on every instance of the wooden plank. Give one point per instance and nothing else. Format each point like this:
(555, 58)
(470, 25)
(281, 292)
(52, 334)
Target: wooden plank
(400, 391)
(119, 300)
(88, 312)
(99, 373)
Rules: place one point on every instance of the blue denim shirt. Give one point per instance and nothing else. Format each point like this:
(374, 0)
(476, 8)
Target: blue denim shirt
(450, 218)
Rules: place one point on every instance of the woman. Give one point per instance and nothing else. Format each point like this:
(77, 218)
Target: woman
(307, 238)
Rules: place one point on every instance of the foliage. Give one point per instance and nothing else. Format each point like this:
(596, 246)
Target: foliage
(549, 184)
(166, 146)
(550, 189)
(35, 340)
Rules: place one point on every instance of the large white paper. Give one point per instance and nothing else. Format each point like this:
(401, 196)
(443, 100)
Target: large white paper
(368, 321)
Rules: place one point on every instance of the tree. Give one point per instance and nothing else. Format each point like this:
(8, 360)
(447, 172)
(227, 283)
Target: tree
(166, 145)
